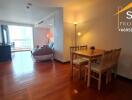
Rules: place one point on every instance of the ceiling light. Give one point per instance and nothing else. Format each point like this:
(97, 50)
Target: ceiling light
(27, 7)
(75, 23)
(29, 4)
(79, 33)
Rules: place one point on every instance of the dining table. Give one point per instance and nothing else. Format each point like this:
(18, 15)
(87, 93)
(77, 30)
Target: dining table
(90, 54)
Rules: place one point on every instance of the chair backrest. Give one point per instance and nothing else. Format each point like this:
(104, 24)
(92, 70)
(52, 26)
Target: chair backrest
(106, 58)
(83, 47)
(73, 48)
(116, 55)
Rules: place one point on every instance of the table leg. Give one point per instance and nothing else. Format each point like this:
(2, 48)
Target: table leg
(89, 72)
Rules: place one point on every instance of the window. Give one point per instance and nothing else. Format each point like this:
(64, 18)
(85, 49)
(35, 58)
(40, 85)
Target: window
(21, 37)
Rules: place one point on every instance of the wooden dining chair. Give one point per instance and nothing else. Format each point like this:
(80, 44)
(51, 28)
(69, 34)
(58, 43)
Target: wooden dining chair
(96, 70)
(83, 47)
(115, 58)
(77, 62)
(114, 66)
(73, 48)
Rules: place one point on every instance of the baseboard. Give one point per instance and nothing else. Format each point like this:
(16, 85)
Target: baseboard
(64, 62)
(124, 78)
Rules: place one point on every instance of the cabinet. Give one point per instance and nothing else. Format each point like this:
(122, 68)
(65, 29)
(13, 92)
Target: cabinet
(5, 53)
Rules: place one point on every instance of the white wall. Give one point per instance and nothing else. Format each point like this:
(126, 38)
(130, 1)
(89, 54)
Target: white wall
(98, 25)
(68, 39)
(59, 35)
(39, 36)
(56, 19)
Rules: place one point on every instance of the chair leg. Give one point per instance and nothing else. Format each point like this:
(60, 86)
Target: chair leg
(88, 80)
(72, 72)
(110, 77)
(99, 82)
(85, 77)
(107, 77)
(115, 71)
(80, 74)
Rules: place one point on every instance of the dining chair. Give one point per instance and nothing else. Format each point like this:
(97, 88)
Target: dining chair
(96, 70)
(114, 66)
(83, 47)
(77, 62)
(115, 57)
(73, 48)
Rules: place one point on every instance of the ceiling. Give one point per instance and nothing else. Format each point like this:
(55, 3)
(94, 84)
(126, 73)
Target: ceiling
(16, 11)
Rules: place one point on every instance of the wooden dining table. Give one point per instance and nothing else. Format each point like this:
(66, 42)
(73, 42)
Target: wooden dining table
(90, 54)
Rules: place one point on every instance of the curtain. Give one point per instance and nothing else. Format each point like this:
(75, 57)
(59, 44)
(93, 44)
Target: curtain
(0, 37)
(5, 34)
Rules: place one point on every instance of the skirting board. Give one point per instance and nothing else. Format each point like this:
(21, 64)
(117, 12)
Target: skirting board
(62, 61)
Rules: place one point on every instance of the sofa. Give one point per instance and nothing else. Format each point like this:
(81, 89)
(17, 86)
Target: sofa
(44, 53)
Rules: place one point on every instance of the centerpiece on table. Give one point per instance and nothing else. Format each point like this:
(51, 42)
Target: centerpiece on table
(92, 48)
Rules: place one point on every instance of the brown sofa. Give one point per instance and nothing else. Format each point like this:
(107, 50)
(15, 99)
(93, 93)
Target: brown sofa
(43, 53)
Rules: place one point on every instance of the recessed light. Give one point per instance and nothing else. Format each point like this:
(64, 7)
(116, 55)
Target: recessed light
(27, 7)
(29, 4)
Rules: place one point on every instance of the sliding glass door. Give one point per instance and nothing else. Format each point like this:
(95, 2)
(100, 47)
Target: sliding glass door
(21, 37)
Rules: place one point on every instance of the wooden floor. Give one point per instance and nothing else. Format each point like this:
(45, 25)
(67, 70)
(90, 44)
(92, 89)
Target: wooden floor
(23, 79)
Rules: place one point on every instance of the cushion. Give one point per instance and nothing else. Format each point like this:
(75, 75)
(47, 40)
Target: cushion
(45, 50)
(79, 61)
(98, 68)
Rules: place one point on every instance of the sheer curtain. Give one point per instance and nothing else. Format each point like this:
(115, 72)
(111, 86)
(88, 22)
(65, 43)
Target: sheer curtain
(21, 37)
(0, 37)
(5, 34)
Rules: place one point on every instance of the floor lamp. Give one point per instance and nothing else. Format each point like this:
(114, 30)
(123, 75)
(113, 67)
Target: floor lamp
(75, 36)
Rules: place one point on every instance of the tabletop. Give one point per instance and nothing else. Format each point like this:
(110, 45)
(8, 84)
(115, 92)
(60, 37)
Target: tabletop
(89, 53)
